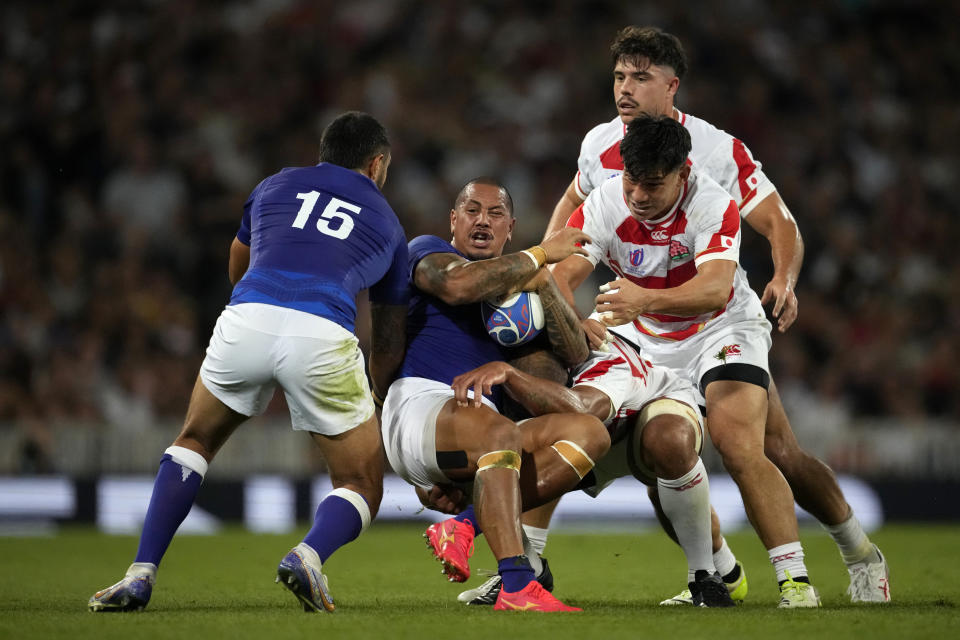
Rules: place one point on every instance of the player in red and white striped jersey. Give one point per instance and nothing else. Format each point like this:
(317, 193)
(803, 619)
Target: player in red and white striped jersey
(674, 237)
(648, 67)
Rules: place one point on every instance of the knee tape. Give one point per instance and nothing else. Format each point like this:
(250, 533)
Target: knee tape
(504, 459)
(677, 408)
(574, 456)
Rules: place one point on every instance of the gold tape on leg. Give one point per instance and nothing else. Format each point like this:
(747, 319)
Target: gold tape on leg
(505, 459)
(575, 456)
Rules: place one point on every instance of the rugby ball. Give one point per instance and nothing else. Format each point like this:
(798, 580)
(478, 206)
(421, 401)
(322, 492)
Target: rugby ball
(513, 320)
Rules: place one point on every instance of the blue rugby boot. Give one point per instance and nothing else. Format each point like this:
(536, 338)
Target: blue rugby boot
(299, 571)
(130, 594)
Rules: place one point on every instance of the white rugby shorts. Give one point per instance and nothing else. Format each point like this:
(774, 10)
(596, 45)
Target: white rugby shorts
(409, 426)
(743, 342)
(634, 396)
(318, 364)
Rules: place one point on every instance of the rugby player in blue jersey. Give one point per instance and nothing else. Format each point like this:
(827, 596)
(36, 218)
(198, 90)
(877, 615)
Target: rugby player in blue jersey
(310, 239)
(430, 438)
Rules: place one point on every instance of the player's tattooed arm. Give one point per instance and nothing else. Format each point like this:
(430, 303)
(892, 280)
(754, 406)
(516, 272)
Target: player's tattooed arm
(536, 395)
(457, 281)
(563, 325)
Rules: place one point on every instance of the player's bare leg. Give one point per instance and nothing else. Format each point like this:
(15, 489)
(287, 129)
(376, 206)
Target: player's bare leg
(493, 446)
(736, 415)
(813, 483)
(816, 490)
(479, 431)
(355, 462)
(208, 423)
(207, 426)
(559, 450)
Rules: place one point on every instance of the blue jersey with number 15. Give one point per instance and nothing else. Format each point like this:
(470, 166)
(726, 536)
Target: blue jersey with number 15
(317, 236)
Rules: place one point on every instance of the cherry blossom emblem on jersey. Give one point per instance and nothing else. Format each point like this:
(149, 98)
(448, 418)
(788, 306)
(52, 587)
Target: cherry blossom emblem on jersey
(678, 251)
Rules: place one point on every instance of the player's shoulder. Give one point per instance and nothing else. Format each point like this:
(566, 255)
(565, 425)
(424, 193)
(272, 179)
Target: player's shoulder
(600, 137)
(701, 129)
(422, 246)
(705, 196)
(605, 206)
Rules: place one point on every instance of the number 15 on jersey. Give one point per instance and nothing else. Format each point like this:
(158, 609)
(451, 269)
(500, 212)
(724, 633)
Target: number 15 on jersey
(336, 210)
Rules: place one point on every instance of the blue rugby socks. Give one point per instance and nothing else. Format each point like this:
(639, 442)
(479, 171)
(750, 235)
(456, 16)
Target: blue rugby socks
(178, 480)
(469, 517)
(341, 517)
(516, 573)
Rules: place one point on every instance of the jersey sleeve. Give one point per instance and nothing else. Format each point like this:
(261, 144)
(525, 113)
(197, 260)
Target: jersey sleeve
(739, 173)
(719, 237)
(587, 166)
(394, 286)
(422, 246)
(586, 217)
(243, 233)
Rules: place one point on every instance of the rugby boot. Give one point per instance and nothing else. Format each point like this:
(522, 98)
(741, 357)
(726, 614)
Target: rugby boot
(870, 581)
(300, 572)
(130, 594)
(452, 543)
(486, 593)
(532, 597)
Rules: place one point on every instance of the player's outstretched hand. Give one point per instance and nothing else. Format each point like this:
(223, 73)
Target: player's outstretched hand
(564, 243)
(786, 307)
(621, 301)
(481, 380)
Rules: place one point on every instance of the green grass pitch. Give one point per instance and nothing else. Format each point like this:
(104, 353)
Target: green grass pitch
(386, 585)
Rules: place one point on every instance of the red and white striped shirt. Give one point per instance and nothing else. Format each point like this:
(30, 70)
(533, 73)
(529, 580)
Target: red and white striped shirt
(715, 153)
(703, 225)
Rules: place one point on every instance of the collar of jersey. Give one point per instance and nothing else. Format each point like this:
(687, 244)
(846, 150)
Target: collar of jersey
(670, 215)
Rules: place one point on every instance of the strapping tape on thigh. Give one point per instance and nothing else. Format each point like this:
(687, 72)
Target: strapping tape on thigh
(575, 456)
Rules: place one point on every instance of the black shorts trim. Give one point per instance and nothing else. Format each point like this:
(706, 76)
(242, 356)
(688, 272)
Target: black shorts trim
(737, 371)
(452, 459)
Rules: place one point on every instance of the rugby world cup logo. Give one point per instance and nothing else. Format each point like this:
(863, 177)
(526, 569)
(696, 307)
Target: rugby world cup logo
(517, 322)
(636, 257)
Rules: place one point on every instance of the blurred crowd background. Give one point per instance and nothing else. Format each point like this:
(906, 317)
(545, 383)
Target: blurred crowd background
(133, 131)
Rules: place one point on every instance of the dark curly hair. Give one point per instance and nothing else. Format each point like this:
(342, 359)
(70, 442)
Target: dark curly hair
(633, 44)
(654, 146)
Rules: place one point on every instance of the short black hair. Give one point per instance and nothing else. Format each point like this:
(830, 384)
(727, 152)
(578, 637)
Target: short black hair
(490, 181)
(634, 44)
(654, 146)
(352, 140)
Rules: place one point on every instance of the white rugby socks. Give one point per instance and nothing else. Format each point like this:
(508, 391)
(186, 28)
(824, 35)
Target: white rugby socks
(686, 502)
(852, 541)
